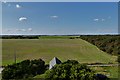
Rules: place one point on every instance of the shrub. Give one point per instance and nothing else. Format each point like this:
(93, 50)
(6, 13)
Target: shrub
(24, 69)
(70, 70)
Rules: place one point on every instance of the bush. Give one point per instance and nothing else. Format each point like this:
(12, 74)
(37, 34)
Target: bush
(70, 70)
(119, 59)
(24, 69)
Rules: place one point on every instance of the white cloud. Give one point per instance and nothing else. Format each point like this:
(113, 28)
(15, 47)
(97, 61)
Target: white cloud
(99, 19)
(8, 30)
(29, 29)
(18, 6)
(102, 19)
(96, 19)
(54, 16)
(4, 1)
(23, 30)
(22, 18)
(18, 29)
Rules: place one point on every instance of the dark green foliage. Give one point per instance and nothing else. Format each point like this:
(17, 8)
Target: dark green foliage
(119, 58)
(20, 37)
(24, 69)
(72, 37)
(72, 62)
(107, 43)
(101, 77)
(70, 70)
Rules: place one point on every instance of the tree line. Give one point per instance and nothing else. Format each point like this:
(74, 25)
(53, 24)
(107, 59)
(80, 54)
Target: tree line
(19, 37)
(106, 43)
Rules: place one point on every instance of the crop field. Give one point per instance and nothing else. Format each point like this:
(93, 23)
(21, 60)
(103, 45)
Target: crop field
(46, 49)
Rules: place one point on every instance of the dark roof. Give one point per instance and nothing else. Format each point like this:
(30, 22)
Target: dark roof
(57, 60)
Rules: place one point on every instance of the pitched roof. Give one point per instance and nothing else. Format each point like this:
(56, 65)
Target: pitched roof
(54, 61)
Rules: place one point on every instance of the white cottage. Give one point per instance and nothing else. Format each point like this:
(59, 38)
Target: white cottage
(53, 62)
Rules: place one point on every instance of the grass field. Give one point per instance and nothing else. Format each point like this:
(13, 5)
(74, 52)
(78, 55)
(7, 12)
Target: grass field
(57, 37)
(46, 49)
(109, 71)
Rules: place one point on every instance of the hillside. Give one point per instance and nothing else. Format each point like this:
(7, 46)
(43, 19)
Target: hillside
(46, 49)
(106, 43)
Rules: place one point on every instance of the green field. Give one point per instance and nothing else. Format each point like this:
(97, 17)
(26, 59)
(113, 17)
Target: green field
(109, 71)
(46, 49)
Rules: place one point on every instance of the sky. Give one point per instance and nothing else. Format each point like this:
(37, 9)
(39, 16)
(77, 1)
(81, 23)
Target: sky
(59, 18)
(60, 0)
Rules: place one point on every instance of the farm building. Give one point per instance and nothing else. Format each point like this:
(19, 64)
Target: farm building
(53, 62)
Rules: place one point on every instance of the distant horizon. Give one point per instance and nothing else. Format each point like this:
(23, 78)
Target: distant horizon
(58, 34)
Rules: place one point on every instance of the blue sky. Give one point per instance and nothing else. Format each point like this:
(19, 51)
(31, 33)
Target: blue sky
(59, 18)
